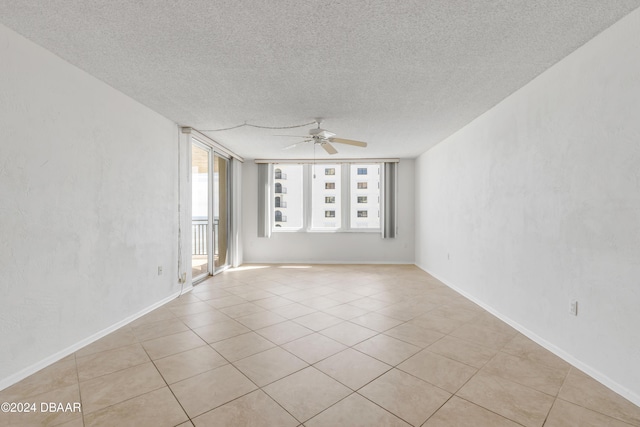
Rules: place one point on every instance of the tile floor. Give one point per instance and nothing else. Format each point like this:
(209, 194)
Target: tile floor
(318, 346)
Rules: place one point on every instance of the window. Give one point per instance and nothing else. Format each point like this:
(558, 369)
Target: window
(346, 197)
(365, 197)
(280, 203)
(288, 213)
(327, 188)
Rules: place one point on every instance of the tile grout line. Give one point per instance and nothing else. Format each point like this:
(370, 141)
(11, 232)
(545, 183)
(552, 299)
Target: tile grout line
(229, 363)
(75, 359)
(582, 406)
(489, 410)
(168, 386)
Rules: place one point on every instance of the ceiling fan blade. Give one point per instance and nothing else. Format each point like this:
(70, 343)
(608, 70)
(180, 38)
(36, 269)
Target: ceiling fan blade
(294, 136)
(296, 144)
(348, 141)
(328, 148)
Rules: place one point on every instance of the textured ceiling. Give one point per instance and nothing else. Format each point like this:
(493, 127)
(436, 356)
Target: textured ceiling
(401, 75)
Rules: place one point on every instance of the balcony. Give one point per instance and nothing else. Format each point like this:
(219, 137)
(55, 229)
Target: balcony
(200, 232)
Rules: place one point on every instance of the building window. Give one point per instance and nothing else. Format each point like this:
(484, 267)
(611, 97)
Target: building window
(363, 214)
(362, 185)
(278, 173)
(362, 171)
(278, 188)
(329, 171)
(330, 185)
(329, 214)
(278, 200)
(362, 199)
(330, 199)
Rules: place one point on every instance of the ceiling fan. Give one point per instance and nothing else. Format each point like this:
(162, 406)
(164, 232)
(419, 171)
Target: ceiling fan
(324, 138)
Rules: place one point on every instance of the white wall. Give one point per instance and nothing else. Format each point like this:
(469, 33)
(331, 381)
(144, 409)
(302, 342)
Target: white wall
(537, 202)
(329, 247)
(88, 210)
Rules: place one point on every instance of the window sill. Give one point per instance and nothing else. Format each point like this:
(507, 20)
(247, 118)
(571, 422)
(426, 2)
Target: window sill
(312, 231)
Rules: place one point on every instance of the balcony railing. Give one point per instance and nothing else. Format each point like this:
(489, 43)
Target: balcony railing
(200, 235)
(281, 190)
(281, 205)
(280, 175)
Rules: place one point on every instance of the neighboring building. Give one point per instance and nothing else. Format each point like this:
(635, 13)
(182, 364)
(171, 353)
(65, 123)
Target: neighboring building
(287, 197)
(365, 196)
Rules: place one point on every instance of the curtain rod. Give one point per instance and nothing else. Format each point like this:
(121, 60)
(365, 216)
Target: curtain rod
(326, 161)
(211, 142)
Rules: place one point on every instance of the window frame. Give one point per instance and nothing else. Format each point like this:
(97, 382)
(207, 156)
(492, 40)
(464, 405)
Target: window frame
(344, 195)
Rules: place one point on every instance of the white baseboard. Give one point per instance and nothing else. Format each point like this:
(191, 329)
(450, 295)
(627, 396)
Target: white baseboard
(340, 262)
(589, 370)
(20, 375)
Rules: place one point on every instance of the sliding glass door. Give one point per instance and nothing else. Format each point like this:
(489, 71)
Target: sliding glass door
(200, 211)
(209, 211)
(220, 212)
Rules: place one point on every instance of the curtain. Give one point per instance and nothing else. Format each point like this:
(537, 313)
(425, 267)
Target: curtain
(235, 239)
(389, 200)
(264, 199)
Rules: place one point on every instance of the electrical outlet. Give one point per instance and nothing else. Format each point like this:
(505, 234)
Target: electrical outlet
(574, 307)
(184, 277)
(159, 270)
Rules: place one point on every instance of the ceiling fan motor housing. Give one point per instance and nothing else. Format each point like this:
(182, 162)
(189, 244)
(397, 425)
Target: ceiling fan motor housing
(321, 133)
